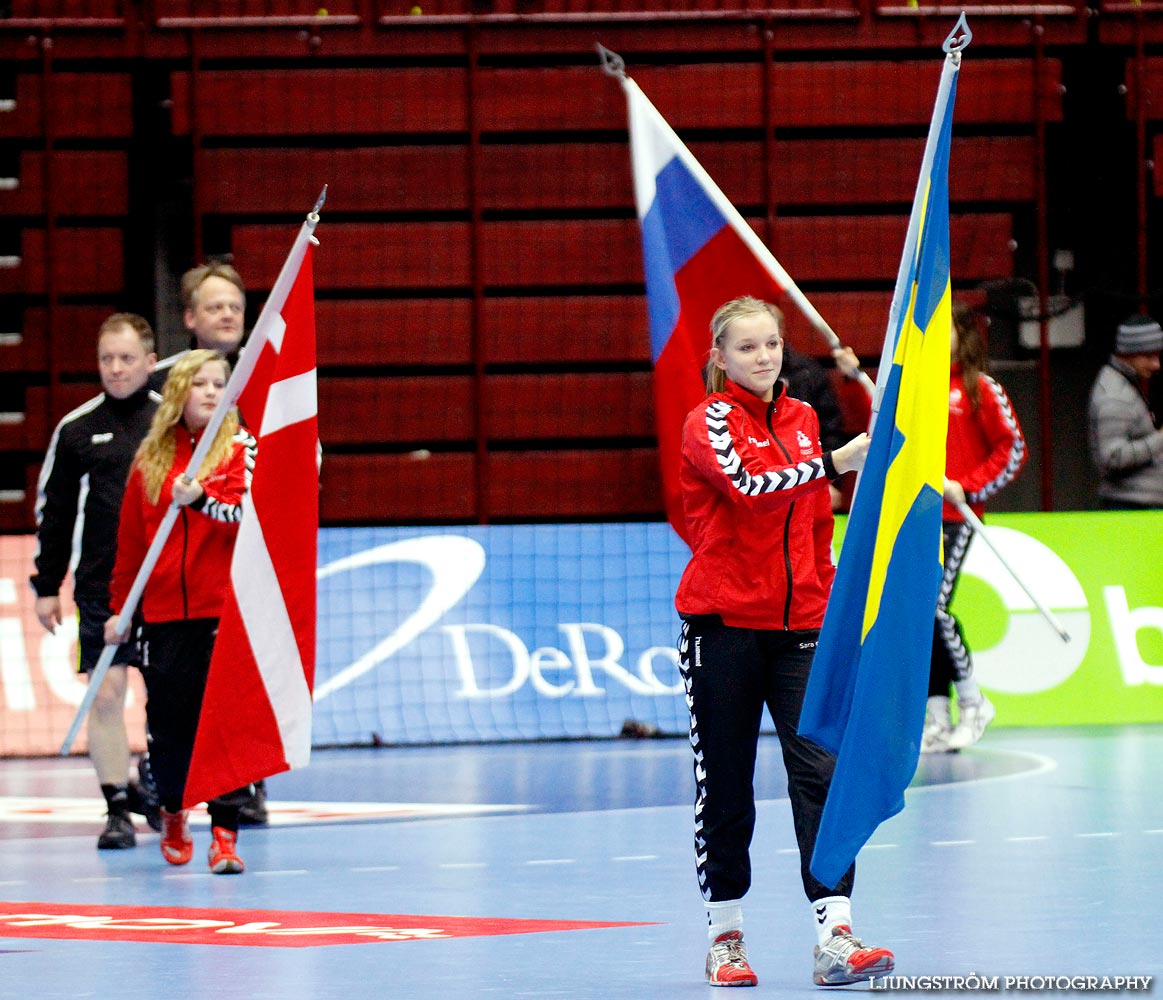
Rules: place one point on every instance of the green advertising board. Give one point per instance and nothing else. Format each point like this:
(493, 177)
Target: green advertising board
(1101, 575)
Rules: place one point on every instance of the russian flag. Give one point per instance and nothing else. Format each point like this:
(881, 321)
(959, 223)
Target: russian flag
(699, 253)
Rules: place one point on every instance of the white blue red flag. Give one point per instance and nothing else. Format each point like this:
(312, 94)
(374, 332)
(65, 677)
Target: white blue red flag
(699, 252)
(865, 699)
(256, 713)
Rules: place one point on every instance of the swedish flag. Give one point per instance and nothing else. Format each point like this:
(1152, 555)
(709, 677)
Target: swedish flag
(865, 700)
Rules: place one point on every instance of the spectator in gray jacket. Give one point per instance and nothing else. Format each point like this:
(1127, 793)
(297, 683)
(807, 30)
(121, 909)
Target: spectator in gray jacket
(1125, 440)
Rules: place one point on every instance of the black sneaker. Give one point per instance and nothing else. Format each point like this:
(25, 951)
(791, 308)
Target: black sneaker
(143, 797)
(118, 833)
(254, 811)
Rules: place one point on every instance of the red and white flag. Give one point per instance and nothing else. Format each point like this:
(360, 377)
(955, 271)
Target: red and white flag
(256, 712)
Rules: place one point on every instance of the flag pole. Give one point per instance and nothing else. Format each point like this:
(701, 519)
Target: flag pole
(614, 65)
(957, 40)
(238, 379)
(979, 530)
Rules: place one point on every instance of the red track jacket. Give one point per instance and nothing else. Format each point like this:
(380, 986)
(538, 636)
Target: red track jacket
(190, 578)
(754, 486)
(985, 449)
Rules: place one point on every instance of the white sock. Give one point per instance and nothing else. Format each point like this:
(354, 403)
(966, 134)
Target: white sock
(723, 916)
(828, 913)
(937, 703)
(968, 693)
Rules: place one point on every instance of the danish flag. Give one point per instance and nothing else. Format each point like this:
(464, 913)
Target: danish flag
(256, 712)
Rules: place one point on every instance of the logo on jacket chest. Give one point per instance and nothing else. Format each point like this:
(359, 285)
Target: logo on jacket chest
(807, 445)
(758, 443)
(102, 438)
(956, 401)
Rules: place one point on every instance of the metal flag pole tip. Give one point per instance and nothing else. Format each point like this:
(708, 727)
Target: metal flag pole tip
(959, 38)
(313, 215)
(612, 63)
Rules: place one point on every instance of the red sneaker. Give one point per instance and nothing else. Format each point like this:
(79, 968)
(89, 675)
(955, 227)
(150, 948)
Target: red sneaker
(177, 844)
(727, 962)
(223, 859)
(844, 960)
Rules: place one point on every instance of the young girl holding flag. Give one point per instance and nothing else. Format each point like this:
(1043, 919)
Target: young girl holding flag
(183, 596)
(754, 483)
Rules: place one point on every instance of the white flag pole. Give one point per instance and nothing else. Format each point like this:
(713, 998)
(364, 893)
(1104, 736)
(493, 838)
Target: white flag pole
(268, 318)
(979, 531)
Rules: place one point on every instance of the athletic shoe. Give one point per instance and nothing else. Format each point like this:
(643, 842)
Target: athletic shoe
(118, 833)
(254, 811)
(845, 960)
(177, 844)
(938, 726)
(727, 962)
(972, 719)
(143, 797)
(223, 858)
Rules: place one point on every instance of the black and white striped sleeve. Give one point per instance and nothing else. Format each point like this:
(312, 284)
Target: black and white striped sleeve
(732, 468)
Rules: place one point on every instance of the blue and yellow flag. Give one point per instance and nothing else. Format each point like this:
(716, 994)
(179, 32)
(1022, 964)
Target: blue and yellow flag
(865, 700)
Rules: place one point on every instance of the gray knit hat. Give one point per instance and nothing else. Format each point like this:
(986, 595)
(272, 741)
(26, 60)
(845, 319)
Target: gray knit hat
(1139, 335)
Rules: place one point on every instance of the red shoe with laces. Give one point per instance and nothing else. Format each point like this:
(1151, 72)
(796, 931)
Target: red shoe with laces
(177, 844)
(845, 959)
(223, 858)
(727, 962)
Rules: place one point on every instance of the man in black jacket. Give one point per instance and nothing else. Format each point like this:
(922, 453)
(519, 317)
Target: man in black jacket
(84, 474)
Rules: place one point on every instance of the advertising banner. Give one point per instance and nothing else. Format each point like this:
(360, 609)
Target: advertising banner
(506, 632)
(39, 684)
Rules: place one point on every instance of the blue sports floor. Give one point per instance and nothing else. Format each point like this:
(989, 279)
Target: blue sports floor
(1035, 853)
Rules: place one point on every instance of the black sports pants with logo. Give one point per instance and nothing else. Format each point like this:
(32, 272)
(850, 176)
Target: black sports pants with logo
(730, 674)
(950, 660)
(176, 661)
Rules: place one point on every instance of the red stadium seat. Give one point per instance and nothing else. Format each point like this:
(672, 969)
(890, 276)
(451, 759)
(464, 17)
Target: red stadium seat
(86, 12)
(87, 261)
(605, 483)
(84, 105)
(405, 332)
(413, 255)
(409, 488)
(539, 407)
(565, 329)
(328, 101)
(237, 13)
(86, 182)
(373, 179)
(74, 340)
(389, 410)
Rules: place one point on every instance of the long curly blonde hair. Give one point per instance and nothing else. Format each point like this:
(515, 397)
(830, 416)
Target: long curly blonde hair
(156, 453)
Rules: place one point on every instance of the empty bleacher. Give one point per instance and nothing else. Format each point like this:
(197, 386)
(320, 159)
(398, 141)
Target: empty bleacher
(64, 204)
(482, 334)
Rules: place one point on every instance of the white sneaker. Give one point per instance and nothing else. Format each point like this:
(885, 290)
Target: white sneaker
(844, 960)
(727, 962)
(938, 726)
(971, 722)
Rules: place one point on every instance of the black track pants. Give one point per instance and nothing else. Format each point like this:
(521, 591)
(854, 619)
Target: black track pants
(730, 674)
(176, 663)
(951, 660)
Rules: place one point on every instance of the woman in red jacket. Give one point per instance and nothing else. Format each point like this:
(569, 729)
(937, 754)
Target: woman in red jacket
(183, 598)
(984, 451)
(755, 494)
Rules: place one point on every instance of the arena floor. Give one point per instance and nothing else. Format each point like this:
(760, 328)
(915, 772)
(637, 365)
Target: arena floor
(565, 870)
